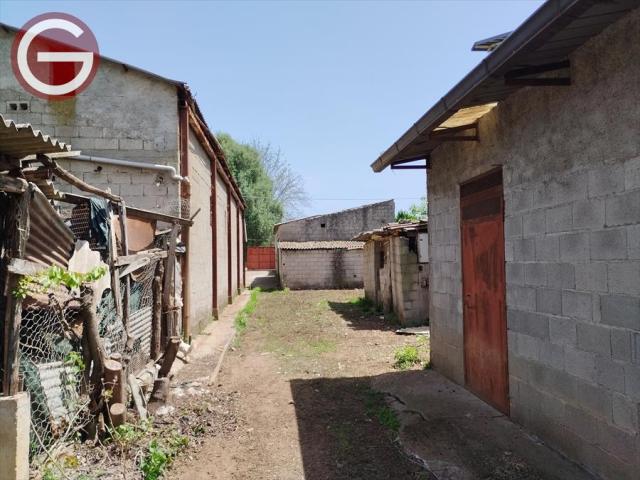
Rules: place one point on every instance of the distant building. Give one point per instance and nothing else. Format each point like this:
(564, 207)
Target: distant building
(396, 270)
(317, 252)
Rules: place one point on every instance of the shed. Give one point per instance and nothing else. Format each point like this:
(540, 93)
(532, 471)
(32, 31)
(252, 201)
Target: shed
(533, 181)
(396, 270)
(320, 264)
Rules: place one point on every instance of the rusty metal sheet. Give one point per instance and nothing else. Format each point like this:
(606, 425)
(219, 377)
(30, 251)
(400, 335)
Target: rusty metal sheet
(50, 241)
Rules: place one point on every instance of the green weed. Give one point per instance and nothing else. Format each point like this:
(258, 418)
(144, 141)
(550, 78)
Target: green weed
(243, 315)
(378, 408)
(159, 456)
(406, 357)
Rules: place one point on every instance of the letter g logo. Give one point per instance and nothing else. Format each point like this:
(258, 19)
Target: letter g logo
(54, 56)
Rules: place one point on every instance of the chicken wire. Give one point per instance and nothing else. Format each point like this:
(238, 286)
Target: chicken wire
(51, 360)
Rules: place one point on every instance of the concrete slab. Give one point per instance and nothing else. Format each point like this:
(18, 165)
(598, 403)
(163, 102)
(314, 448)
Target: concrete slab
(15, 417)
(265, 279)
(459, 437)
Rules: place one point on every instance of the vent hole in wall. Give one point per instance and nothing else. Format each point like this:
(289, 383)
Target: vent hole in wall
(323, 225)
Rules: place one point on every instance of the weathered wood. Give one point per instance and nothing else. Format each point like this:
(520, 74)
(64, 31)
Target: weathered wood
(170, 352)
(18, 223)
(75, 181)
(156, 318)
(127, 279)
(12, 184)
(97, 354)
(115, 272)
(113, 380)
(118, 414)
(19, 266)
(168, 302)
(160, 394)
(152, 255)
(136, 394)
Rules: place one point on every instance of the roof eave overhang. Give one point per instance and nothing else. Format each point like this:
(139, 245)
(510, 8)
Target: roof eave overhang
(552, 15)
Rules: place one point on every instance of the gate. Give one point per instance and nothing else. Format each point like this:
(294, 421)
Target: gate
(261, 258)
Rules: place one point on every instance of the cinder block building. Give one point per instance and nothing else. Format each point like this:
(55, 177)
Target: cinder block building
(533, 183)
(395, 266)
(318, 252)
(144, 137)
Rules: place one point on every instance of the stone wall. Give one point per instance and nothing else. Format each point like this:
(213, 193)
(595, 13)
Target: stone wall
(342, 225)
(571, 167)
(320, 269)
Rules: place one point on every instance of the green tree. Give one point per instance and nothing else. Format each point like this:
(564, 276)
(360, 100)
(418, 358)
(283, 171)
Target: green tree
(417, 211)
(263, 208)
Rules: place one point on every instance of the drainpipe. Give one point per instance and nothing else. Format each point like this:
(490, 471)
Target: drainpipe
(128, 163)
(185, 194)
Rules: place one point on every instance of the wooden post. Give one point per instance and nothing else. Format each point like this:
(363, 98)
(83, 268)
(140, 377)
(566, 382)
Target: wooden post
(160, 394)
(113, 380)
(168, 304)
(170, 352)
(127, 278)
(156, 319)
(91, 334)
(18, 223)
(118, 414)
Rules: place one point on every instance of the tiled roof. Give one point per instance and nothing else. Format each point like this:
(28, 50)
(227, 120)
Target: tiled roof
(321, 245)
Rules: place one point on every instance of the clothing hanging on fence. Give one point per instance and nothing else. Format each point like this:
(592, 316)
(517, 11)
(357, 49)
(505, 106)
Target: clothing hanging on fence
(99, 221)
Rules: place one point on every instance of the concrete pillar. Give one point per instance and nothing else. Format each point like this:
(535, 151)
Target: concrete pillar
(15, 414)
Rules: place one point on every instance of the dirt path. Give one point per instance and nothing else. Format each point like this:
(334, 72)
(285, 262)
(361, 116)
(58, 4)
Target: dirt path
(300, 380)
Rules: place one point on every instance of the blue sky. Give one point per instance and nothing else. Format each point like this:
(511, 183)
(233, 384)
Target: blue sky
(332, 84)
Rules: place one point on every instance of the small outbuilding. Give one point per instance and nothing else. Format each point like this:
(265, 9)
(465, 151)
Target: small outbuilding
(396, 270)
(318, 252)
(320, 265)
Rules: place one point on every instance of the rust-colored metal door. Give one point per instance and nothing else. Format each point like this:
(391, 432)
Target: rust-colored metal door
(483, 285)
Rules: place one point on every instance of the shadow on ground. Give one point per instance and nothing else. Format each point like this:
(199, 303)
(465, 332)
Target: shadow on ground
(347, 431)
(361, 316)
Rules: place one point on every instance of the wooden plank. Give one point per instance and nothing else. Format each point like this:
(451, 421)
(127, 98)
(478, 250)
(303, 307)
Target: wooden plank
(16, 246)
(12, 184)
(127, 279)
(75, 181)
(152, 255)
(19, 266)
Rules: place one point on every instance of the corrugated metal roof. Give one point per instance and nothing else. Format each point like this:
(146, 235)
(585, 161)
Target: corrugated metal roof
(548, 36)
(21, 140)
(392, 228)
(50, 241)
(324, 245)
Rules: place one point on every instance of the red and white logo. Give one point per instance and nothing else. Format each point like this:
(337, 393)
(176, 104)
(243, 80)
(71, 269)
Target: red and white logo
(55, 56)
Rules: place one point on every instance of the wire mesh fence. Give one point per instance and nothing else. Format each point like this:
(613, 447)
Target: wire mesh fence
(52, 360)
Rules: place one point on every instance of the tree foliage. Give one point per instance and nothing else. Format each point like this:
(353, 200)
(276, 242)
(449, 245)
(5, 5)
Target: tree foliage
(417, 211)
(263, 210)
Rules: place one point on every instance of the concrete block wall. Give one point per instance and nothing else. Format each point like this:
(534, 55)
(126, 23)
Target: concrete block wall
(200, 251)
(222, 232)
(320, 269)
(571, 166)
(369, 271)
(125, 115)
(342, 225)
(234, 249)
(410, 297)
